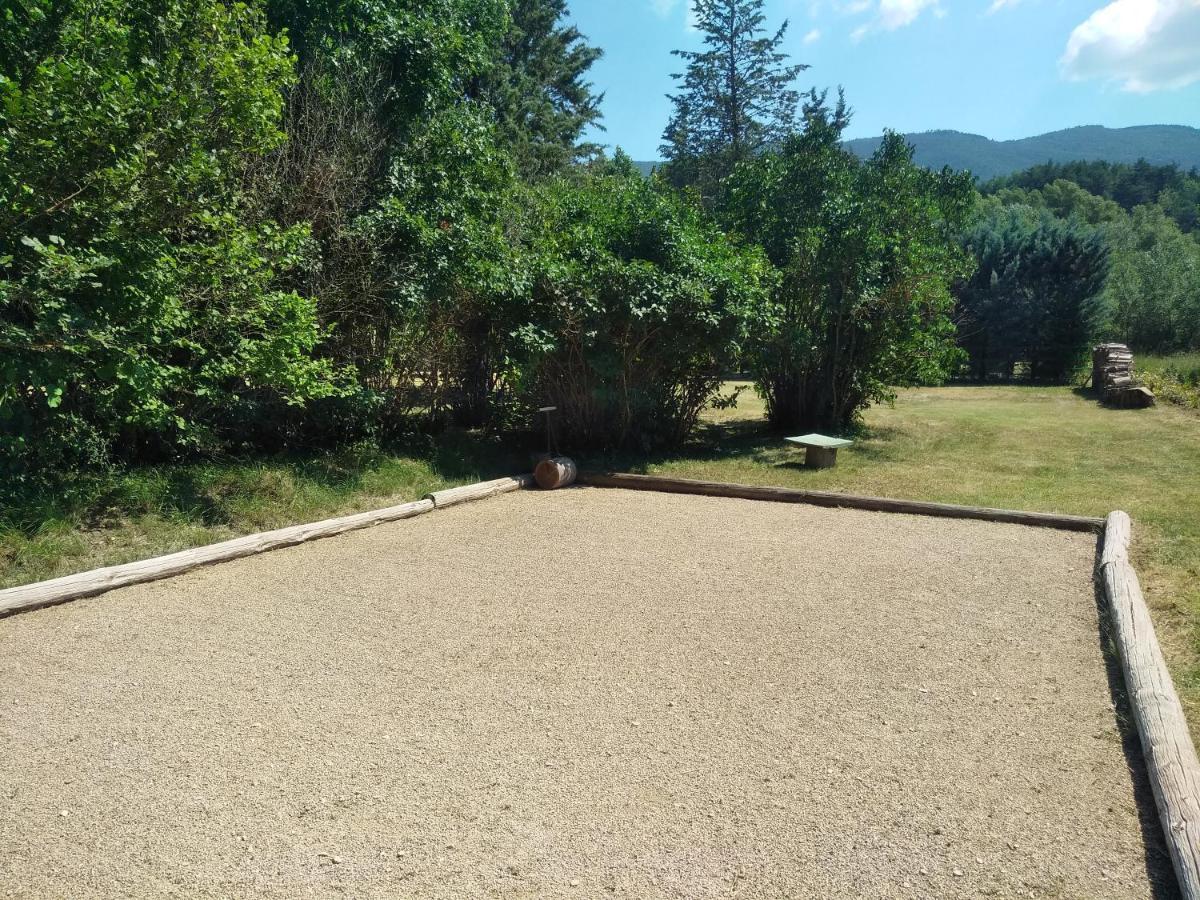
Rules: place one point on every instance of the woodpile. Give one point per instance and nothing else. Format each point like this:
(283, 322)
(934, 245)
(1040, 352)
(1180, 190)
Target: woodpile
(1112, 378)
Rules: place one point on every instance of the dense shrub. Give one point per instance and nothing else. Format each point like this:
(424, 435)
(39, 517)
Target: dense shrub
(865, 254)
(639, 309)
(1032, 306)
(140, 307)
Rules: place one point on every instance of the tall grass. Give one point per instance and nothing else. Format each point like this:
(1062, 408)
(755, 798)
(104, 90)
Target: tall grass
(151, 510)
(1184, 367)
(1174, 379)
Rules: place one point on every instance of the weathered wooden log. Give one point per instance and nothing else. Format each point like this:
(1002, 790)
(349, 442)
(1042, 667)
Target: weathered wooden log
(480, 491)
(97, 581)
(555, 472)
(833, 499)
(1171, 760)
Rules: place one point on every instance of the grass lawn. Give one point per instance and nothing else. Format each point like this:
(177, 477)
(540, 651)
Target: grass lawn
(1047, 449)
(160, 509)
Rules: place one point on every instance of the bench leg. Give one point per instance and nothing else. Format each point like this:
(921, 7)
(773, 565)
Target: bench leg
(820, 457)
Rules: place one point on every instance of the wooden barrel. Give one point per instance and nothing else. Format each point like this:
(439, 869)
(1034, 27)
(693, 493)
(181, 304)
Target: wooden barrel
(556, 472)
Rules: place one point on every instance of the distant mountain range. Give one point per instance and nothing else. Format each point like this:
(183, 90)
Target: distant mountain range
(1158, 144)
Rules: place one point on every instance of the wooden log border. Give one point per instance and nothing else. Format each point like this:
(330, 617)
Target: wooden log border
(480, 491)
(98, 581)
(1171, 761)
(833, 499)
(1166, 742)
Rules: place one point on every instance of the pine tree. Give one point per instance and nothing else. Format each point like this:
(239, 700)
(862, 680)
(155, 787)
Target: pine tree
(736, 95)
(536, 86)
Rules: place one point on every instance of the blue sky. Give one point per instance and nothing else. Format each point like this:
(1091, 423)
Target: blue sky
(1001, 68)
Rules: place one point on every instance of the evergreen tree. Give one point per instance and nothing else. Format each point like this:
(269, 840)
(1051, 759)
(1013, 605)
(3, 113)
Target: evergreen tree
(1032, 304)
(736, 95)
(535, 83)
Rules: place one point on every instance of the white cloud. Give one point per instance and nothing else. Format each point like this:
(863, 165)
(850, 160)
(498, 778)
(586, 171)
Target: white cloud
(662, 8)
(813, 36)
(1146, 45)
(998, 5)
(888, 15)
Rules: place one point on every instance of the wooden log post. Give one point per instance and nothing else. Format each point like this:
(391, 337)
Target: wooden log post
(555, 472)
(1166, 743)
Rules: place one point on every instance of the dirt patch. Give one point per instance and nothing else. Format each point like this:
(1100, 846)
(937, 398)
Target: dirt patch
(583, 693)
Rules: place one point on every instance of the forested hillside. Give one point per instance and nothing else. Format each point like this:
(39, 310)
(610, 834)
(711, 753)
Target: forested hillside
(1158, 145)
(987, 159)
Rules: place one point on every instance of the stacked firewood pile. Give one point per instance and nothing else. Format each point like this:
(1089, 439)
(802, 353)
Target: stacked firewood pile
(1112, 377)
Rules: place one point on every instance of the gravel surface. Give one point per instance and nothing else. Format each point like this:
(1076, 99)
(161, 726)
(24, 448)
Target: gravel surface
(583, 693)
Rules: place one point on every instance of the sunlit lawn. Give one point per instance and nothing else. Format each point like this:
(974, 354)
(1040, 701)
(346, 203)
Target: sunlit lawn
(1046, 449)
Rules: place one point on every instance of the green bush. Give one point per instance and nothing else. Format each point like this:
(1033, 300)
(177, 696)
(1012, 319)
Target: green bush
(639, 310)
(865, 255)
(140, 308)
(1169, 387)
(1033, 305)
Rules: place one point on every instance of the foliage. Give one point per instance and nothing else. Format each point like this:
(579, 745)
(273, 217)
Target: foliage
(736, 96)
(1032, 304)
(141, 309)
(420, 51)
(639, 306)
(535, 85)
(1169, 387)
(1126, 185)
(1152, 297)
(865, 253)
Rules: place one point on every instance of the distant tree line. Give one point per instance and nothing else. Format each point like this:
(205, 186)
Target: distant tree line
(1072, 253)
(1128, 185)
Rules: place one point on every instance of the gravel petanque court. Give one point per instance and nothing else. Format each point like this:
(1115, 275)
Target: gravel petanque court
(584, 693)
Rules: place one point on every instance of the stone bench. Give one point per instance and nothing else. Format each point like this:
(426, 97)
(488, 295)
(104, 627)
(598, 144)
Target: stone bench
(820, 450)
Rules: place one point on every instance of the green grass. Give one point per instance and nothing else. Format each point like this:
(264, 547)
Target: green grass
(154, 510)
(1182, 365)
(1047, 449)
(1174, 379)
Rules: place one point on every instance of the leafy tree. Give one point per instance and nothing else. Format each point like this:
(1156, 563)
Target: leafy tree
(403, 180)
(420, 51)
(736, 96)
(1152, 296)
(141, 304)
(637, 309)
(535, 85)
(865, 254)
